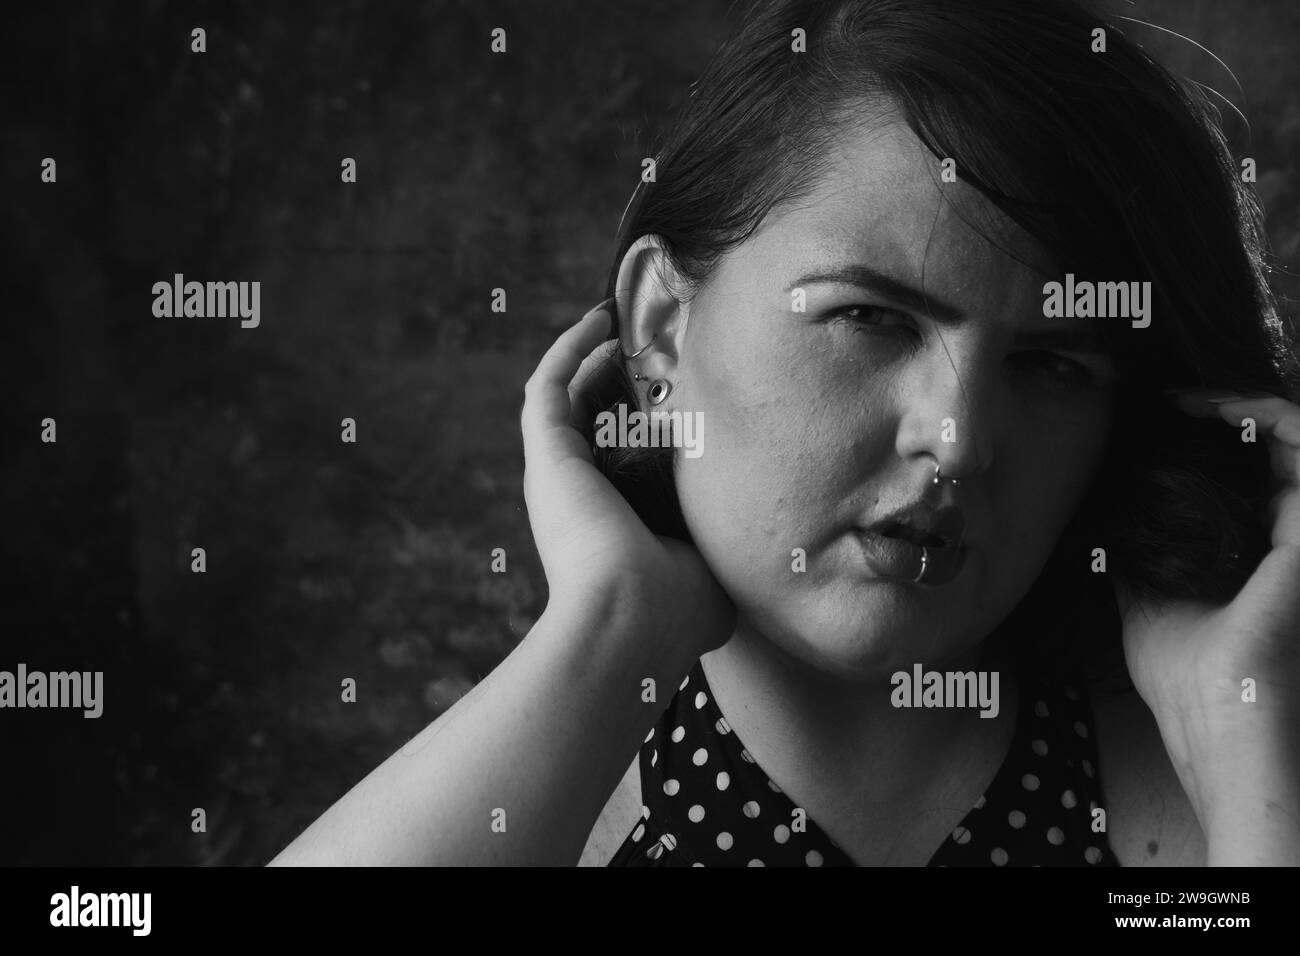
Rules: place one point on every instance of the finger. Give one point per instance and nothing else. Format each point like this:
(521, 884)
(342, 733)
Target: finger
(1124, 601)
(1273, 585)
(1277, 418)
(590, 366)
(545, 413)
(1284, 517)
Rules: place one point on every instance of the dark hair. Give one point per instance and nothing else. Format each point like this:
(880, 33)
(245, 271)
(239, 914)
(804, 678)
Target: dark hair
(1118, 171)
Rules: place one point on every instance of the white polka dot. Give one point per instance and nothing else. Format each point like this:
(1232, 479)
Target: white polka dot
(773, 787)
(813, 858)
(1039, 747)
(781, 834)
(650, 736)
(1071, 693)
(1080, 729)
(678, 734)
(722, 726)
(999, 856)
(1092, 854)
(745, 755)
(700, 700)
(669, 841)
(1040, 708)
(979, 804)
(700, 757)
(645, 811)
(1016, 819)
(654, 758)
(697, 864)
(724, 780)
(756, 862)
(671, 786)
(1087, 769)
(961, 835)
(638, 833)
(655, 852)
(1068, 799)
(750, 809)
(1056, 836)
(685, 680)
(1029, 781)
(695, 814)
(725, 840)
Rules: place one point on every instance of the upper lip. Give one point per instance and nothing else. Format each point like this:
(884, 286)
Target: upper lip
(947, 523)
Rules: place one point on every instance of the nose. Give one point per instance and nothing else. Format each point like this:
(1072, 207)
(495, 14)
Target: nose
(948, 414)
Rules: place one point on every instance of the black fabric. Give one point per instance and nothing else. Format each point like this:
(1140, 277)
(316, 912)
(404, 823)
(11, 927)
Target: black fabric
(708, 803)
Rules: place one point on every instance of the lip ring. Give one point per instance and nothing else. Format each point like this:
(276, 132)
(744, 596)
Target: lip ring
(925, 564)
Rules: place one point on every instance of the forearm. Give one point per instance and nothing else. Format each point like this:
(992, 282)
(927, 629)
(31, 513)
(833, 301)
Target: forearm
(1248, 797)
(517, 771)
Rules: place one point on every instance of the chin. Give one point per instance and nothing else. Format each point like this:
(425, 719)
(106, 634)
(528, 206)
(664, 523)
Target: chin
(869, 632)
(848, 650)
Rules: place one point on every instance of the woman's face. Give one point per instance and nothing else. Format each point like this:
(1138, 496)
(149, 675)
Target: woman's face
(822, 422)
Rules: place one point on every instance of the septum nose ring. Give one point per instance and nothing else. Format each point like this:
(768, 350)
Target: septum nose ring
(940, 479)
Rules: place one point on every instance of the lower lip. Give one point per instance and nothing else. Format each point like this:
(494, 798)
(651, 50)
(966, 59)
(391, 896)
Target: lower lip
(898, 560)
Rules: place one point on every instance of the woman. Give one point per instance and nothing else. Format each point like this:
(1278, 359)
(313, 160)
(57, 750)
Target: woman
(925, 482)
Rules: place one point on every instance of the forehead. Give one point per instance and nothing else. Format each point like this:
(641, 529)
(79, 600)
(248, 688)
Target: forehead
(881, 202)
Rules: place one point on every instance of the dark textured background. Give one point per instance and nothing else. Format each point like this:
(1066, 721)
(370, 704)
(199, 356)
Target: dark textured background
(326, 560)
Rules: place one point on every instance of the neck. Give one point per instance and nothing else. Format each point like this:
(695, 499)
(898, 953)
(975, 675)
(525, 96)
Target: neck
(842, 740)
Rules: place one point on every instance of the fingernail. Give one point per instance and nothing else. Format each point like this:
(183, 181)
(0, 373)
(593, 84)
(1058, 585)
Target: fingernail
(1211, 396)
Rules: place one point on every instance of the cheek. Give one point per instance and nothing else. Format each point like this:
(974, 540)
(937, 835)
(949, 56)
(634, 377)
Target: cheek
(763, 483)
(1043, 477)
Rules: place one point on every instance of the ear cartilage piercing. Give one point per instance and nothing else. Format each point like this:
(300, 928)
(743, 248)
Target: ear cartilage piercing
(659, 390)
(641, 349)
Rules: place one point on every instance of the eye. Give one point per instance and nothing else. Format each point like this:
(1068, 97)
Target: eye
(861, 318)
(1056, 369)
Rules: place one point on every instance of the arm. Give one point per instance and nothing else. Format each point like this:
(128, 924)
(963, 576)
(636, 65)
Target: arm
(545, 737)
(518, 770)
(1221, 681)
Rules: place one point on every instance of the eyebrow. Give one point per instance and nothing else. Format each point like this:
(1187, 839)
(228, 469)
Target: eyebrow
(1082, 338)
(896, 291)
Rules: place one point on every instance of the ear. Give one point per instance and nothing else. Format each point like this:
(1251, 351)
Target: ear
(651, 311)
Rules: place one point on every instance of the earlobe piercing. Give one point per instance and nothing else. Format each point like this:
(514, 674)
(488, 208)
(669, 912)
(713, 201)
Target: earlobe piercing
(659, 388)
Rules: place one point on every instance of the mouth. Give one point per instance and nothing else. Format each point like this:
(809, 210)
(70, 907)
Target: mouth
(924, 526)
(926, 539)
(918, 545)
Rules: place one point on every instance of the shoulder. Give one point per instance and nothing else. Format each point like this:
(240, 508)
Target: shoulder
(1149, 820)
(616, 820)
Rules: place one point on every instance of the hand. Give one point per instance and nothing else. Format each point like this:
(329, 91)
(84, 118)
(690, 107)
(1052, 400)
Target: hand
(594, 548)
(1188, 659)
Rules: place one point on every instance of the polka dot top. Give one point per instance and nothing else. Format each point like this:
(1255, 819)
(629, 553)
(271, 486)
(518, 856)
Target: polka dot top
(708, 803)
